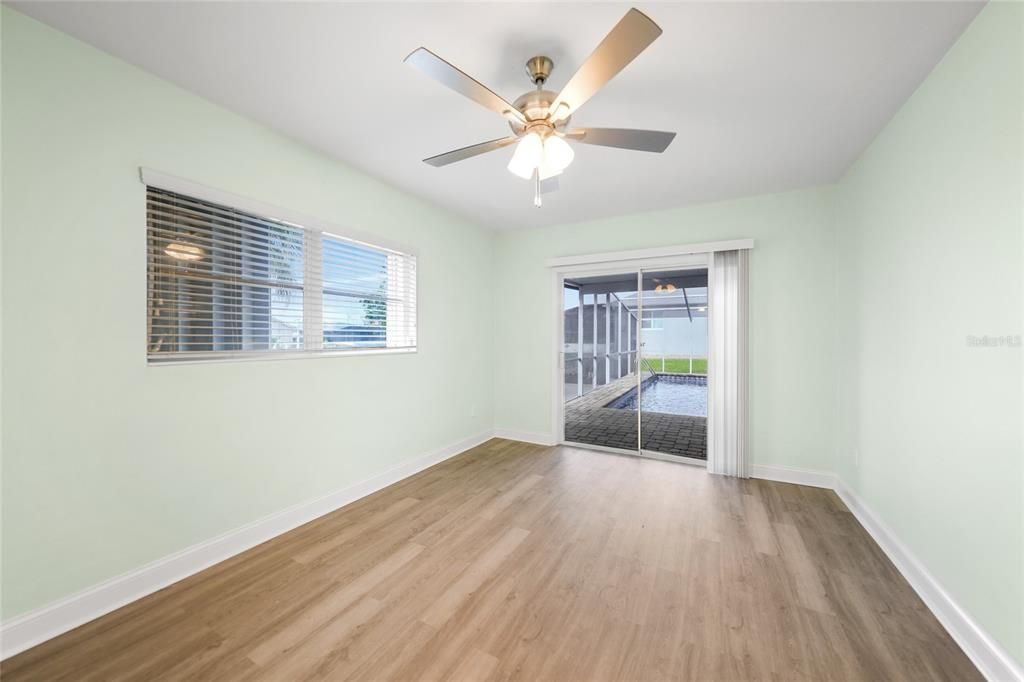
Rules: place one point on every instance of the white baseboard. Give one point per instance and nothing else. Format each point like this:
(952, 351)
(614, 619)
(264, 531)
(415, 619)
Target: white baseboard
(989, 657)
(58, 617)
(811, 477)
(525, 436)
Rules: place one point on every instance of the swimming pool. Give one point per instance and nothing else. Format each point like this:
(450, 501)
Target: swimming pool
(668, 394)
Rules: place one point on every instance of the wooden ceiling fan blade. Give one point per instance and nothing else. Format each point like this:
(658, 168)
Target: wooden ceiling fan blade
(631, 36)
(448, 75)
(624, 138)
(470, 151)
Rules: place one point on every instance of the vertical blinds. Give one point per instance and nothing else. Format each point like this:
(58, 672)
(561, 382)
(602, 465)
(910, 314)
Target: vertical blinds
(224, 282)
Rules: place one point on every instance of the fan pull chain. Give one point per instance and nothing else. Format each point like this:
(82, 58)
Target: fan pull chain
(536, 188)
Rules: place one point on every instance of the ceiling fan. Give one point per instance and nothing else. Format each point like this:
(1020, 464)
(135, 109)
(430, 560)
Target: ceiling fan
(540, 118)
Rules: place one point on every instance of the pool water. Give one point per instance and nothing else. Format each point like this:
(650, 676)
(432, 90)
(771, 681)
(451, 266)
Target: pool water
(669, 395)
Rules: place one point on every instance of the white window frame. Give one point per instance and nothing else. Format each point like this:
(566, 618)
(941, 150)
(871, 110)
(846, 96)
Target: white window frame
(314, 231)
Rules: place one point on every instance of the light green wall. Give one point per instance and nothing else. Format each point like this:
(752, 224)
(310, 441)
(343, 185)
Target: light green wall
(792, 362)
(930, 251)
(108, 463)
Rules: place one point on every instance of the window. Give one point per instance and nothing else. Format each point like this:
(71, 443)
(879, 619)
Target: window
(229, 283)
(652, 323)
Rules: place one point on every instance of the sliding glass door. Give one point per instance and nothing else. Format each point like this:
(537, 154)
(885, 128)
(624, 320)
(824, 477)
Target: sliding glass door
(599, 360)
(673, 392)
(634, 361)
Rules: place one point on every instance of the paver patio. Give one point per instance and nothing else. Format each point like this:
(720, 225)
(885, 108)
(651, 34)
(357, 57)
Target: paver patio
(587, 420)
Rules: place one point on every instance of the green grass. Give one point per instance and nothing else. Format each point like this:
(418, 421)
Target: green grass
(678, 365)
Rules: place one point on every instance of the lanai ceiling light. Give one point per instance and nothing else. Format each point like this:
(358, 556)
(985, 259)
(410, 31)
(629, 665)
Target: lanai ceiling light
(540, 118)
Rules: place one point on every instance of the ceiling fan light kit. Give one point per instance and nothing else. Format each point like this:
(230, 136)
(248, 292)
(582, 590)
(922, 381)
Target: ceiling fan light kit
(540, 118)
(546, 157)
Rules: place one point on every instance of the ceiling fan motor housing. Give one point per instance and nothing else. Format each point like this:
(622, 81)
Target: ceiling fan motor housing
(535, 103)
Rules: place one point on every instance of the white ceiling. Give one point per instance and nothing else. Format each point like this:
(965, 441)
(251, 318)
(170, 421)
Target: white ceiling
(764, 97)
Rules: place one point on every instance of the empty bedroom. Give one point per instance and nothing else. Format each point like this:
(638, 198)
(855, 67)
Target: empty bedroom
(547, 341)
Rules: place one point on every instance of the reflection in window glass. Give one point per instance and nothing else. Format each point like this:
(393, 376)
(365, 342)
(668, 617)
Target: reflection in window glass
(355, 295)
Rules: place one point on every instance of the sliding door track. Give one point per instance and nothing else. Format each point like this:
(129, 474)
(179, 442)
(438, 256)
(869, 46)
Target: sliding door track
(647, 454)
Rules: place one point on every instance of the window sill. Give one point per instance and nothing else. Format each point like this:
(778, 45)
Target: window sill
(268, 356)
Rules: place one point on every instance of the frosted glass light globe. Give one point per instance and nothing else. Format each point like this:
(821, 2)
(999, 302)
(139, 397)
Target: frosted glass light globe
(557, 153)
(529, 155)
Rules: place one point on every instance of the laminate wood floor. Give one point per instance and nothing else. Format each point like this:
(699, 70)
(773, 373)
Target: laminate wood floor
(518, 562)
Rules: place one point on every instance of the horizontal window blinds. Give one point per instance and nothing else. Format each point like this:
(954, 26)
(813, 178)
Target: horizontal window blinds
(226, 283)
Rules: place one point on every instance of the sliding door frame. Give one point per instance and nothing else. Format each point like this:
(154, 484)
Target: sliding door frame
(604, 265)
